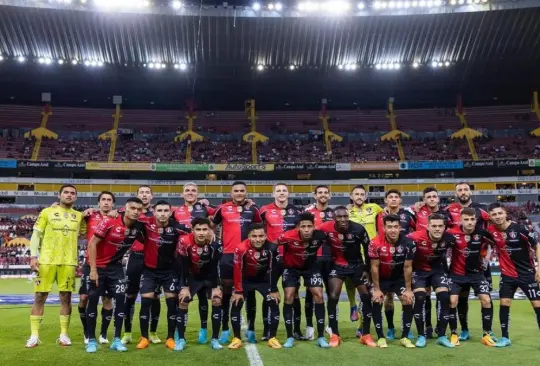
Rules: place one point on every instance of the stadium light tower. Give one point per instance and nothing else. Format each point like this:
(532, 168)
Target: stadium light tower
(42, 131)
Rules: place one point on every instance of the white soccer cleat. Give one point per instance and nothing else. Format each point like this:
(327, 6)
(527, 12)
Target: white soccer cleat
(103, 340)
(32, 342)
(310, 333)
(64, 340)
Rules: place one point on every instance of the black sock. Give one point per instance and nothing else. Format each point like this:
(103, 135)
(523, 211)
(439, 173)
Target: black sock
(332, 315)
(91, 311)
(251, 310)
(438, 309)
(106, 317)
(129, 310)
(377, 319)
(119, 314)
(181, 322)
(82, 316)
(504, 318)
(407, 320)
(389, 314)
(419, 308)
(308, 309)
(288, 317)
(216, 320)
(272, 319)
(297, 308)
(487, 319)
(155, 312)
(144, 315)
(235, 318)
(266, 319)
(427, 311)
(367, 312)
(171, 316)
(537, 313)
(320, 313)
(443, 303)
(463, 312)
(452, 321)
(203, 309)
(226, 309)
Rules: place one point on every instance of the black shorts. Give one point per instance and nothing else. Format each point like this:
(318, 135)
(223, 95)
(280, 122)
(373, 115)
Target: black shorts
(487, 275)
(393, 286)
(352, 273)
(152, 280)
(476, 281)
(134, 270)
(200, 287)
(528, 284)
(427, 280)
(312, 277)
(111, 280)
(83, 289)
(325, 266)
(261, 287)
(226, 267)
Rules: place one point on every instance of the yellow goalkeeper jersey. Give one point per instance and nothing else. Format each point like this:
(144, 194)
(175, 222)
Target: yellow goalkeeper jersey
(60, 228)
(366, 216)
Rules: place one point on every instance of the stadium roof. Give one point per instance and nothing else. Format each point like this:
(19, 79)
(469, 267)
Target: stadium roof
(353, 60)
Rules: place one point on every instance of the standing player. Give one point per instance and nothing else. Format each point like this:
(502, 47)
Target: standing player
(255, 269)
(112, 239)
(300, 247)
(322, 213)
(198, 266)
(430, 271)
(391, 254)
(469, 252)
(347, 239)
(106, 202)
(161, 238)
(235, 219)
(54, 253)
(516, 247)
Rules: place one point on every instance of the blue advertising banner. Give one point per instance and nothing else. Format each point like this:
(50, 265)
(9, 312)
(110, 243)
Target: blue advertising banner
(431, 165)
(8, 164)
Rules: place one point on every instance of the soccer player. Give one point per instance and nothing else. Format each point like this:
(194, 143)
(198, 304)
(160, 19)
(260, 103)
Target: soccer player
(300, 247)
(279, 217)
(407, 222)
(161, 238)
(235, 219)
(391, 254)
(106, 202)
(255, 269)
(346, 242)
(430, 271)
(54, 253)
(516, 247)
(469, 252)
(112, 239)
(198, 264)
(322, 213)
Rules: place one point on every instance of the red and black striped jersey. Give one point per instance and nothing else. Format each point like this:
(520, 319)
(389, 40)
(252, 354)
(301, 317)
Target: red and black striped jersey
(482, 216)
(198, 261)
(300, 255)
(346, 247)
(137, 245)
(469, 251)
(322, 216)
(255, 265)
(278, 220)
(391, 257)
(185, 214)
(423, 214)
(407, 221)
(430, 255)
(235, 221)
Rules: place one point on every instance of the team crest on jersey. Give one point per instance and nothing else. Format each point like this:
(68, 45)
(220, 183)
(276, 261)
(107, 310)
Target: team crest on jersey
(291, 211)
(434, 245)
(315, 242)
(239, 209)
(264, 253)
(467, 238)
(368, 210)
(399, 250)
(73, 216)
(476, 237)
(392, 250)
(349, 236)
(513, 234)
(257, 255)
(340, 236)
(321, 214)
(66, 215)
(330, 214)
(169, 229)
(283, 212)
(198, 207)
(402, 216)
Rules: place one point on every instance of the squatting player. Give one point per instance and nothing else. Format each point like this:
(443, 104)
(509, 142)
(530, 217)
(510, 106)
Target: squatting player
(54, 252)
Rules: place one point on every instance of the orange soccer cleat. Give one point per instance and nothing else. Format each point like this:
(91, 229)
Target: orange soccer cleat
(143, 343)
(368, 340)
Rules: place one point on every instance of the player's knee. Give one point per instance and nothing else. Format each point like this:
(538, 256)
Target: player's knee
(420, 296)
(318, 296)
(454, 301)
(184, 304)
(107, 302)
(83, 301)
(443, 297)
(508, 302)
(334, 296)
(486, 301)
(216, 301)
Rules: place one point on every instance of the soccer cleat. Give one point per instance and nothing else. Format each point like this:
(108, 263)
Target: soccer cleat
(406, 342)
(381, 343)
(264, 338)
(179, 345)
(154, 338)
(203, 336)
(91, 347)
(368, 340)
(170, 343)
(410, 335)
(454, 339)
(354, 313)
(126, 339)
(289, 343)
(429, 332)
(503, 342)
(224, 337)
(103, 340)
(464, 335)
(86, 340)
(443, 341)
(143, 343)
(335, 341)
(358, 333)
(310, 333)
(421, 342)
(487, 341)
(299, 336)
(236, 343)
(214, 343)
(391, 334)
(32, 342)
(329, 331)
(495, 339)
(118, 345)
(274, 343)
(251, 336)
(64, 340)
(322, 342)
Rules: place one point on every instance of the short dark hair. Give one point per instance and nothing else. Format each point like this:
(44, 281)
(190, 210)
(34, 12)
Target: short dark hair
(462, 182)
(390, 218)
(106, 192)
(144, 186)
(162, 203)
(321, 186)
(390, 191)
(305, 216)
(67, 186)
(429, 190)
(359, 186)
(340, 208)
(239, 183)
(256, 226)
(200, 221)
(468, 211)
(436, 216)
(495, 205)
(280, 184)
(134, 200)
